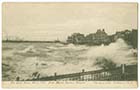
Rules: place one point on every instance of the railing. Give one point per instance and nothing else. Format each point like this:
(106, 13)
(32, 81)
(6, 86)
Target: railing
(122, 73)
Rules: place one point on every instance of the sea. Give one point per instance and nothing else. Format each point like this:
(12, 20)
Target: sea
(23, 59)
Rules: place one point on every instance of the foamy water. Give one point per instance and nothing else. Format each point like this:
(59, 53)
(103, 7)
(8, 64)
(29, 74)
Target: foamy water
(23, 59)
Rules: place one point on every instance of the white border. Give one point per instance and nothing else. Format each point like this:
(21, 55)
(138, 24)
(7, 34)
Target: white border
(66, 1)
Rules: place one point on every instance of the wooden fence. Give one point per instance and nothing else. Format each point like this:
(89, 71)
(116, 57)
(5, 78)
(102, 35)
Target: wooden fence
(122, 73)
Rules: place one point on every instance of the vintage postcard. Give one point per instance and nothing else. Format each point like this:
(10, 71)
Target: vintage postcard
(69, 45)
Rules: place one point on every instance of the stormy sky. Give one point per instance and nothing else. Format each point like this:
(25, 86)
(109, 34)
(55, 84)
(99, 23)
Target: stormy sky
(49, 21)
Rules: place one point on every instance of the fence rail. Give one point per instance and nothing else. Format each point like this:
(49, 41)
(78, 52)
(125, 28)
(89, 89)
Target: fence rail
(122, 73)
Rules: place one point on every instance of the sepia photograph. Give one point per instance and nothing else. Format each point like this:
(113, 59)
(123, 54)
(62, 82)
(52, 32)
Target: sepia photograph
(85, 42)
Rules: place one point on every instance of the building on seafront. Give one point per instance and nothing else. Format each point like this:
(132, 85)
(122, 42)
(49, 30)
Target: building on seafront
(98, 38)
(76, 38)
(101, 37)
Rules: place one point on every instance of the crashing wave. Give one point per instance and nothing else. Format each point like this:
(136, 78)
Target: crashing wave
(29, 49)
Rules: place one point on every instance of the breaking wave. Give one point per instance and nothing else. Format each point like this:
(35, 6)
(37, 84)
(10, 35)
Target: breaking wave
(48, 59)
(118, 52)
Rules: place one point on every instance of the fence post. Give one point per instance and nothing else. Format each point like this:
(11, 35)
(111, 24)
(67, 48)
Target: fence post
(123, 68)
(83, 70)
(55, 74)
(123, 71)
